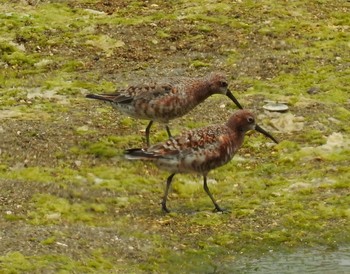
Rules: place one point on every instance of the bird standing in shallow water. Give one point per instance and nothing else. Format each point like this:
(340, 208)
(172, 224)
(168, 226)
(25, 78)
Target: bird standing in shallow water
(200, 150)
(167, 99)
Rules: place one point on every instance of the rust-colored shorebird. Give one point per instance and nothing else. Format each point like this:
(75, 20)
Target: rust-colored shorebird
(199, 150)
(166, 99)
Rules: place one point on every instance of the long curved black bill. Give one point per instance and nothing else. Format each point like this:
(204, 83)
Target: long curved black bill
(263, 131)
(233, 98)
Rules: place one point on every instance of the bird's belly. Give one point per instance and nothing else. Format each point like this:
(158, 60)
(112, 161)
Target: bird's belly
(131, 111)
(157, 110)
(175, 166)
(190, 164)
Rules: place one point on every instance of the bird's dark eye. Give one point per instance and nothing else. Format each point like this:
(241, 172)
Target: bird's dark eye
(223, 84)
(250, 120)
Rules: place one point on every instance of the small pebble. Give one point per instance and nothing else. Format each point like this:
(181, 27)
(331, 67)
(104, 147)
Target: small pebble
(313, 90)
(61, 244)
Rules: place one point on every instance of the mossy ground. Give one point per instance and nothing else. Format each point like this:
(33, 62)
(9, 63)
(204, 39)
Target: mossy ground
(71, 203)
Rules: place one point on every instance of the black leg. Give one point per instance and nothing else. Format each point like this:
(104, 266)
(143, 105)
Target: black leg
(217, 207)
(168, 183)
(148, 128)
(168, 131)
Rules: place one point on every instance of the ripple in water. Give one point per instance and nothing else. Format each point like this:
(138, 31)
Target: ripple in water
(320, 261)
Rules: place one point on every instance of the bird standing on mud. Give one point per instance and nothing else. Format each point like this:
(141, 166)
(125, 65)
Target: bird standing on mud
(199, 150)
(166, 99)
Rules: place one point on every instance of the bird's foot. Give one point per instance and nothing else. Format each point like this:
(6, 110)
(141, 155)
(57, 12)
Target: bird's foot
(164, 208)
(221, 210)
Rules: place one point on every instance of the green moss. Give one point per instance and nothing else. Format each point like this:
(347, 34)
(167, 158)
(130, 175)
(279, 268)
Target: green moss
(204, 28)
(6, 48)
(49, 209)
(49, 241)
(100, 208)
(36, 174)
(105, 43)
(13, 217)
(16, 261)
(315, 137)
(102, 149)
(163, 34)
(186, 186)
(287, 146)
(191, 124)
(342, 114)
(232, 57)
(199, 63)
(72, 65)
(127, 121)
(126, 141)
(18, 58)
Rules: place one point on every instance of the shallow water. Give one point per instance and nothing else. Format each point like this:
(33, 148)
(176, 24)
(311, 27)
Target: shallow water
(302, 261)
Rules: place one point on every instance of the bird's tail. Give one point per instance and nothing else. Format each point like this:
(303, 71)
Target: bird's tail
(103, 97)
(138, 154)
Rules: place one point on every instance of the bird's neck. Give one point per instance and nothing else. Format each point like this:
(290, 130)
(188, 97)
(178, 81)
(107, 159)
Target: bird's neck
(237, 137)
(203, 91)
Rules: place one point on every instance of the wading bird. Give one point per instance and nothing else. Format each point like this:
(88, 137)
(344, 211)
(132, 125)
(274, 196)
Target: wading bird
(200, 150)
(166, 99)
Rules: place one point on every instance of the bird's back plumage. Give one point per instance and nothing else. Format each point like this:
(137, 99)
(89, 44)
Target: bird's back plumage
(196, 151)
(164, 99)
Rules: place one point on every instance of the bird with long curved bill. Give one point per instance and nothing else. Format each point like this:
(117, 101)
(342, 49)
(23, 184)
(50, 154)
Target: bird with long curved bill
(200, 150)
(166, 99)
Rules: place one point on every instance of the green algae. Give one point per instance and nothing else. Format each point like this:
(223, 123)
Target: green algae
(102, 150)
(50, 209)
(199, 63)
(15, 262)
(30, 174)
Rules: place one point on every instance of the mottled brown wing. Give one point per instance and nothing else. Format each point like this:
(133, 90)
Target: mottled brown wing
(122, 98)
(154, 92)
(207, 140)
